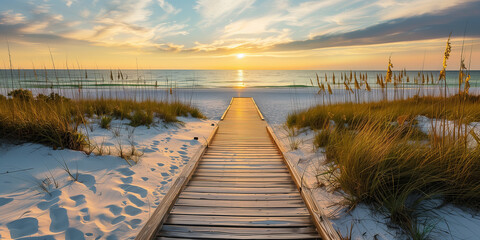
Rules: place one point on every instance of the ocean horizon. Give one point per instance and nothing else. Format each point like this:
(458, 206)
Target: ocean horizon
(103, 78)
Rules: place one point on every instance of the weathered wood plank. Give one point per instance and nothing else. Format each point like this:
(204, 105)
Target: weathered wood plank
(238, 230)
(243, 175)
(228, 211)
(240, 190)
(243, 184)
(239, 197)
(285, 179)
(240, 233)
(243, 167)
(296, 203)
(258, 170)
(199, 220)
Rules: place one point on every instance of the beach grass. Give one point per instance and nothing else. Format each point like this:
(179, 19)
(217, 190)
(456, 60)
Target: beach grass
(320, 116)
(55, 120)
(379, 154)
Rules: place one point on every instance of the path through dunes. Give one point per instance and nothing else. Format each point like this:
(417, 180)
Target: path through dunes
(240, 188)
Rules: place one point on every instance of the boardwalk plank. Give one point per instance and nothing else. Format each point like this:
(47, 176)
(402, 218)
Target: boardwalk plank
(252, 211)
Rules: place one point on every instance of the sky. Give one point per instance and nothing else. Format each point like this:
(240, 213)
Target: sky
(238, 34)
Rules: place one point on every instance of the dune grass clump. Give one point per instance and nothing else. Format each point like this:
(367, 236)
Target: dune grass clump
(349, 114)
(51, 123)
(377, 154)
(140, 118)
(387, 169)
(55, 120)
(105, 122)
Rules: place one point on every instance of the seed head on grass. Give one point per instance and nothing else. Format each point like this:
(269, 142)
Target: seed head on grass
(446, 55)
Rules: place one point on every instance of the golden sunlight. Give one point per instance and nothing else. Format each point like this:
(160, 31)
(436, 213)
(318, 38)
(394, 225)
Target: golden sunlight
(240, 55)
(240, 82)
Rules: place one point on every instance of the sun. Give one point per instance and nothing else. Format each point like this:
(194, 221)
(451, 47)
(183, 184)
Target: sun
(240, 55)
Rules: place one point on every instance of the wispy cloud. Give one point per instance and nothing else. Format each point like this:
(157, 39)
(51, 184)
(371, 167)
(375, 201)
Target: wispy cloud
(393, 9)
(167, 7)
(422, 27)
(213, 11)
(11, 18)
(243, 44)
(225, 26)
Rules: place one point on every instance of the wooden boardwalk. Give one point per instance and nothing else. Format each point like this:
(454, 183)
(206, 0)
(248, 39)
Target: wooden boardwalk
(239, 189)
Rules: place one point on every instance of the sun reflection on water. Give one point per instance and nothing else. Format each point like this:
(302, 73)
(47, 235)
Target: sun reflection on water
(240, 80)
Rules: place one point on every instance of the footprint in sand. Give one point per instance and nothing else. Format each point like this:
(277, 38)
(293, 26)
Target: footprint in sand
(134, 223)
(86, 218)
(135, 200)
(111, 237)
(126, 171)
(23, 227)
(106, 220)
(182, 152)
(50, 200)
(127, 179)
(79, 200)
(153, 169)
(145, 179)
(147, 150)
(115, 210)
(160, 164)
(59, 219)
(74, 234)
(118, 220)
(132, 211)
(165, 174)
(134, 189)
(88, 180)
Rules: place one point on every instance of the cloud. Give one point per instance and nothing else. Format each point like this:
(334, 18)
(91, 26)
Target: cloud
(393, 9)
(213, 11)
(119, 24)
(422, 27)
(267, 30)
(69, 2)
(251, 26)
(85, 13)
(243, 44)
(11, 18)
(291, 16)
(167, 7)
(127, 23)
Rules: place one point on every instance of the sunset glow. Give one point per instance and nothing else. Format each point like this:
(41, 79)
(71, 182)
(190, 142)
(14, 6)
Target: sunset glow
(204, 34)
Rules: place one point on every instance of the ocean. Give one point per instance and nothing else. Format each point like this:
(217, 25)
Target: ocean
(93, 78)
